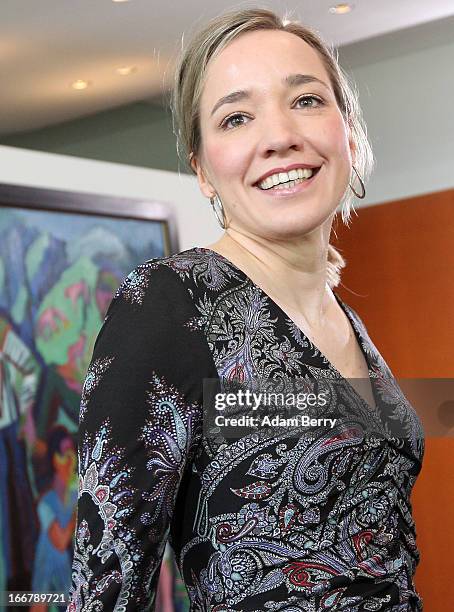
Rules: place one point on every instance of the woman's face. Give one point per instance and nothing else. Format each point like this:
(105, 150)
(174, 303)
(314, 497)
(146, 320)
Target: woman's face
(281, 112)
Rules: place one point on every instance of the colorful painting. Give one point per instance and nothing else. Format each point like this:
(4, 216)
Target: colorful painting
(58, 271)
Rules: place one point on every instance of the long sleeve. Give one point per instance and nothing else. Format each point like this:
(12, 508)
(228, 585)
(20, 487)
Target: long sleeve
(140, 425)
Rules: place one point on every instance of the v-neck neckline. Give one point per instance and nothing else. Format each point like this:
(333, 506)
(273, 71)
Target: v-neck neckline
(331, 366)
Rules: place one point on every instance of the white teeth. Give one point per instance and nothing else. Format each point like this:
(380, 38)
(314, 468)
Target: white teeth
(286, 178)
(289, 184)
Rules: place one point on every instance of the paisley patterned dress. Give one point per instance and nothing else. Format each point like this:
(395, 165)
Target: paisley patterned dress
(265, 522)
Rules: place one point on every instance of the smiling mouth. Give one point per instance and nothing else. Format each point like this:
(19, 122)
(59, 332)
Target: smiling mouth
(284, 180)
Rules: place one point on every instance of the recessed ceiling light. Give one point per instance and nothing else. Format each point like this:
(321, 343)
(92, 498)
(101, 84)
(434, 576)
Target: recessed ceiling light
(120, 0)
(80, 84)
(341, 9)
(125, 70)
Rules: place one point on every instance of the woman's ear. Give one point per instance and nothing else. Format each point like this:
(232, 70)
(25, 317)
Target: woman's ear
(205, 186)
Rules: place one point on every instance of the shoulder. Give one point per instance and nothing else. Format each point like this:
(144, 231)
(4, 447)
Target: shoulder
(152, 285)
(348, 309)
(366, 340)
(152, 299)
(142, 281)
(172, 273)
(182, 277)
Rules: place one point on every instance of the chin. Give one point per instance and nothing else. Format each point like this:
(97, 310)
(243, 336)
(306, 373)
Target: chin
(285, 231)
(293, 225)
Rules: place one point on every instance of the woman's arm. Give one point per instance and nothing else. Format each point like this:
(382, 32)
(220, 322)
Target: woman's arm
(140, 424)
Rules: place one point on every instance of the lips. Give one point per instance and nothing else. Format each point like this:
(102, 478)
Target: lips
(286, 169)
(290, 189)
(315, 171)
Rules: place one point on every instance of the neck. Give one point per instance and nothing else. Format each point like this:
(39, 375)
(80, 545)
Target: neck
(292, 273)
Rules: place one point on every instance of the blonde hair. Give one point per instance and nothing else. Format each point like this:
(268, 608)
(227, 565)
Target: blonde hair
(190, 79)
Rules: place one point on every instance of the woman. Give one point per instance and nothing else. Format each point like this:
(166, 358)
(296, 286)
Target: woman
(268, 521)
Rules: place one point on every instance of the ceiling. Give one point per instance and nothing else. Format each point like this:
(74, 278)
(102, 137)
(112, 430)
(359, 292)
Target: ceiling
(47, 45)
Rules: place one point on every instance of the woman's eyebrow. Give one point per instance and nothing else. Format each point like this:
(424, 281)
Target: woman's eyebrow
(292, 80)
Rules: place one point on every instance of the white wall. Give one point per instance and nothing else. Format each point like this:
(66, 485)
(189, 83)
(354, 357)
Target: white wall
(196, 223)
(406, 86)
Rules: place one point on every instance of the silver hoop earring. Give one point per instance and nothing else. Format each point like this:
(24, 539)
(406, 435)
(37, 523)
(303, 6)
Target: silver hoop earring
(363, 195)
(218, 208)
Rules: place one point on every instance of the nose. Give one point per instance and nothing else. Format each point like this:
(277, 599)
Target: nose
(279, 135)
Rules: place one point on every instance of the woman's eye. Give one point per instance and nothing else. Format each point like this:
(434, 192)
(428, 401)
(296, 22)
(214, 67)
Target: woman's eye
(306, 99)
(233, 121)
(238, 119)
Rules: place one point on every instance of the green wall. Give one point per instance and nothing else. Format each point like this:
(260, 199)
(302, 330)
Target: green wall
(139, 134)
